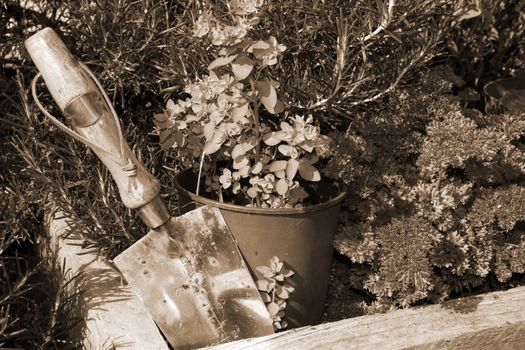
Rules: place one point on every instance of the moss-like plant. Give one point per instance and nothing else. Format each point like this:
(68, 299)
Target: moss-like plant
(436, 202)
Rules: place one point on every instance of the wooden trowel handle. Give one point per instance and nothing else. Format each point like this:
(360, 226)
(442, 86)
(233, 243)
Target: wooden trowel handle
(92, 117)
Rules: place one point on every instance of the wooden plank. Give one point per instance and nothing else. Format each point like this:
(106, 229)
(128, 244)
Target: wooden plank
(490, 321)
(115, 318)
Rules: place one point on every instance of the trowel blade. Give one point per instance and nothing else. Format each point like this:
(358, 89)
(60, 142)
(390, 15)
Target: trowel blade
(192, 279)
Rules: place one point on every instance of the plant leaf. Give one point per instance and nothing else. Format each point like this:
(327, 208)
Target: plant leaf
(287, 273)
(279, 107)
(271, 285)
(308, 145)
(277, 165)
(160, 117)
(212, 146)
(209, 130)
(171, 107)
(286, 127)
(240, 149)
(244, 171)
(271, 138)
(215, 143)
(273, 308)
(164, 135)
(281, 186)
(308, 171)
(262, 285)
(180, 139)
(291, 168)
(239, 112)
(257, 168)
(275, 83)
(282, 293)
(265, 271)
(252, 193)
(280, 174)
(298, 194)
(267, 94)
(258, 45)
(286, 150)
(221, 61)
(265, 297)
(242, 67)
(288, 287)
(273, 262)
(240, 162)
(168, 142)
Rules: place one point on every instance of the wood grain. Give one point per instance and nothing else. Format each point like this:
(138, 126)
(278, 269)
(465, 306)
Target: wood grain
(64, 77)
(491, 321)
(115, 318)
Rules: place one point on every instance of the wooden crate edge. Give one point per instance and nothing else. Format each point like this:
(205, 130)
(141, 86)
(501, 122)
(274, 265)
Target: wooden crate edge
(487, 321)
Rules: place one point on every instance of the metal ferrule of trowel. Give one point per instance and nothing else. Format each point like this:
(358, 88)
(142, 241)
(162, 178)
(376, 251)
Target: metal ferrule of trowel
(187, 271)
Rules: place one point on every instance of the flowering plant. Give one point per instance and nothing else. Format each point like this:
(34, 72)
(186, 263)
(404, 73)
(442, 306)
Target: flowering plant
(233, 128)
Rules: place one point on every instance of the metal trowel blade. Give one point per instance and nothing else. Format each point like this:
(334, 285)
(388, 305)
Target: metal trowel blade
(192, 279)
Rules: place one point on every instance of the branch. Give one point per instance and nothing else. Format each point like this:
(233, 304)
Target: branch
(341, 49)
(392, 86)
(385, 22)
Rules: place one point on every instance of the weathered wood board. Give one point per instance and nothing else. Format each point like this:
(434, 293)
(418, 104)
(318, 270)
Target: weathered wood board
(490, 321)
(115, 318)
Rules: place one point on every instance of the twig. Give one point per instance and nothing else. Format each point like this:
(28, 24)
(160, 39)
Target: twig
(342, 42)
(385, 22)
(394, 84)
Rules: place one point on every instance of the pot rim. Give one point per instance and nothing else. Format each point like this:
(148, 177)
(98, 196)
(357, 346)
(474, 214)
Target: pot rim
(261, 211)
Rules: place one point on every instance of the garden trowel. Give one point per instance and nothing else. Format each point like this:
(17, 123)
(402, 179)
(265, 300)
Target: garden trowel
(187, 271)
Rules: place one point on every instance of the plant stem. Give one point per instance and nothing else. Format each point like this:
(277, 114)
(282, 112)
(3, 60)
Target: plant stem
(257, 124)
(200, 174)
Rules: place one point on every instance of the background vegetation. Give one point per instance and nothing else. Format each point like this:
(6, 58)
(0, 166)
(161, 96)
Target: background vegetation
(436, 181)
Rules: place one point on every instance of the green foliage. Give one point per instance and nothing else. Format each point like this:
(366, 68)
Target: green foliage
(437, 200)
(274, 290)
(491, 45)
(405, 272)
(339, 56)
(39, 301)
(345, 54)
(265, 153)
(132, 46)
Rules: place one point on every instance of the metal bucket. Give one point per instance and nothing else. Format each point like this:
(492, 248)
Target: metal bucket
(300, 237)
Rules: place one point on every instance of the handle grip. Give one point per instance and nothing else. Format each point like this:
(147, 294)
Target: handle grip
(83, 101)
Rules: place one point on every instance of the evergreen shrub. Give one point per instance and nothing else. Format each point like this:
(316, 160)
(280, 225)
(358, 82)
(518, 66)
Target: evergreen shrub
(437, 202)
